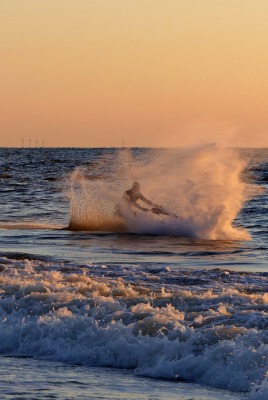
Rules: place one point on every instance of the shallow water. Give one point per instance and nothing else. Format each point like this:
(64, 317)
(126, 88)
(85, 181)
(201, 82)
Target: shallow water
(82, 303)
(32, 379)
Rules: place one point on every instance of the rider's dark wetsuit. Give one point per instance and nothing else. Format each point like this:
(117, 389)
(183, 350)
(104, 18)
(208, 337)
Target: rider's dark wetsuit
(131, 197)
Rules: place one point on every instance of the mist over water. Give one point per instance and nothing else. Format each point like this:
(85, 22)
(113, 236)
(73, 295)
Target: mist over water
(201, 185)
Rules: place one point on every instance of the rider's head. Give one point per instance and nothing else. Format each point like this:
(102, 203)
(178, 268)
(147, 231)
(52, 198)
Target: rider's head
(136, 187)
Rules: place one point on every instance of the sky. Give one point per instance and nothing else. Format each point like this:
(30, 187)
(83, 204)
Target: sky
(103, 73)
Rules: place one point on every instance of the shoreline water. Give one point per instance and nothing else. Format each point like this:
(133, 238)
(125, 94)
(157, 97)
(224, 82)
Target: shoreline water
(40, 380)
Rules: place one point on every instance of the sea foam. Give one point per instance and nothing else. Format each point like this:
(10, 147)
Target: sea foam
(212, 330)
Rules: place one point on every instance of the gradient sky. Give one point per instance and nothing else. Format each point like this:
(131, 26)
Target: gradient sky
(90, 73)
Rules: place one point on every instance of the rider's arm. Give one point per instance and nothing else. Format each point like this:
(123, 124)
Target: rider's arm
(147, 201)
(135, 204)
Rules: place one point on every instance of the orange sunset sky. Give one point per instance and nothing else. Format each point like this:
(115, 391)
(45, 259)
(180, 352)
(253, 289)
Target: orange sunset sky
(92, 73)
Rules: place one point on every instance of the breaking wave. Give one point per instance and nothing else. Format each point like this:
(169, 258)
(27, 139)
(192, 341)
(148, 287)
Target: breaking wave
(211, 327)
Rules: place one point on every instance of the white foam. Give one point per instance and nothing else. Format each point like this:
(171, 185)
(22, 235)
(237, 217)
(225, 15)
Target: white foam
(214, 335)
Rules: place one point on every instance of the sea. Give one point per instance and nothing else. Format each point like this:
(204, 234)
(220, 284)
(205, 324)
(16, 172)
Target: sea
(100, 299)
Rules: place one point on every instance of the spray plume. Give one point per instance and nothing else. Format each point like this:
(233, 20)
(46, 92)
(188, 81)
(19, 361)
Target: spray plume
(201, 185)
